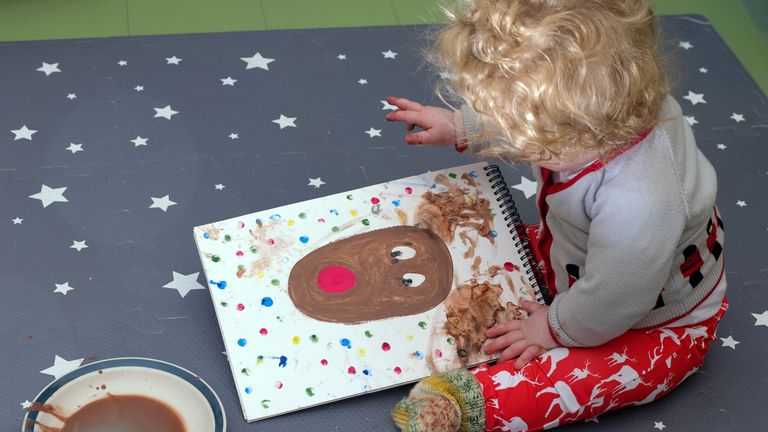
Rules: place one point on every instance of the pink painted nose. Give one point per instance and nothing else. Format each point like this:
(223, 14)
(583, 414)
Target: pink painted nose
(336, 279)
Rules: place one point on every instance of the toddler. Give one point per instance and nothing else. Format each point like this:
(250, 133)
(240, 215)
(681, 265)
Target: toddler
(630, 242)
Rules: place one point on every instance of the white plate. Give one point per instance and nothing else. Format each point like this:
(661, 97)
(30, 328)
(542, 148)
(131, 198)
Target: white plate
(192, 398)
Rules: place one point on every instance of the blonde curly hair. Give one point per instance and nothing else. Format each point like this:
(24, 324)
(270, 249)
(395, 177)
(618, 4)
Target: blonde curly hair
(550, 77)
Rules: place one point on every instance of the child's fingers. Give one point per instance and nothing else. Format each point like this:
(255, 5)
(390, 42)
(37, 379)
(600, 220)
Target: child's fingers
(503, 341)
(529, 354)
(422, 137)
(404, 103)
(405, 116)
(532, 307)
(502, 328)
(514, 350)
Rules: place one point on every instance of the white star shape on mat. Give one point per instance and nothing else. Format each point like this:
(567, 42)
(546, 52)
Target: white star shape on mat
(219, 186)
(49, 195)
(685, 45)
(691, 120)
(257, 61)
(761, 319)
(445, 76)
(139, 88)
(362, 81)
(228, 81)
(722, 146)
(122, 63)
(389, 54)
(730, 342)
(139, 141)
(526, 186)
(703, 70)
(167, 112)
(162, 203)
(26, 404)
(63, 288)
(49, 68)
(285, 122)
(592, 419)
(738, 118)
(79, 245)
(741, 203)
(388, 106)
(173, 60)
(658, 425)
(74, 148)
(373, 132)
(341, 56)
(234, 136)
(316, 182)
(17, 221)
(71, 96)
(62, 367)
(184, 283)
(695, 98)
(23, 133)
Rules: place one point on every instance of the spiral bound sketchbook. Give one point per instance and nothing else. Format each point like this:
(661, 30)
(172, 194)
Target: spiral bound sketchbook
(367, 289)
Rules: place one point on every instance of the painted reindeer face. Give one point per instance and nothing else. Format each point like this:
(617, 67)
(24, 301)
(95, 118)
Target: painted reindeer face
(383, 273)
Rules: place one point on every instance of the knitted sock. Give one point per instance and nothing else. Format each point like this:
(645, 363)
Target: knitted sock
(449, 401)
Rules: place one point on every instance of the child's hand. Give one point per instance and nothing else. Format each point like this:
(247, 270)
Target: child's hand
(440, 126)
(524, 338)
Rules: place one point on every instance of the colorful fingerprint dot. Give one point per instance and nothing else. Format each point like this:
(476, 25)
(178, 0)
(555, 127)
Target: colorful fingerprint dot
(275, 217)
(396, 203)
(283, 361)
(242, 342)
(240, 307)
(324, 362)
(261, 275)
(365, 222)
(291, 222)
(224, 304)
(239, 253)
(220, 284)
(278, 385)
(349, 197)
(249, 390)
(351, 370)
(304, 239)
(313, 338)
(334, 212)
(450, 340)
(275, 282)
(408, 190)
(263, 332)
(361, 352)
(245, 371)
(259, 222)
(271, 242)
(419, 355)
(508, 266)
(345, 343)
(215, 258)
(409, 337)
(438, 353)
(376, 209)
(240, 271)
(267, 301)
(375, 200)
(353, 213)
(265, 403)
(397, 370)
(310, 391)
(302, 215)
(385, 347)
(452, 175)
(368, 334)
(321, 220)
(296, 340)
(227, 238)
(366, 372)
(335, 229)
(205, 235)
(422, 325)
(241, 224)
(473, 174)
(494, 234)
(254, 249)
(260, 359)
(279, 318)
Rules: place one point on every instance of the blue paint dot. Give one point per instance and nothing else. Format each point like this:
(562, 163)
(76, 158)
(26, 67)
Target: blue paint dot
(335, 212)
(366, 372)
(267, 301)
(220, 284)
(248, 390)
(433, 186)
(396, 203)
(346, 343)
(473, 174)
(494, 234)
(275, 217)
(283, 361)
(303, 239)
(242, 342)
(205, 235)
(419, 355)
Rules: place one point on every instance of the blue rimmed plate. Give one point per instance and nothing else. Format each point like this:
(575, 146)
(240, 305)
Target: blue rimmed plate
(192, 398)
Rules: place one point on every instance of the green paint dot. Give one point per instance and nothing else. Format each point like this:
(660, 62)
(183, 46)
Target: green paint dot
(245, 371)
(225, 304)
(366, 222)
(275, 282)
(241, 267)
(349, 197)
(450, 341)
(310, 391)
(313, 338)
(452, 175)
(302, 215)
(280, 318)
(368, 333)
(254, 249)
(422, 324)
(265, 403)
(335, 229)
(215, 258)
(227, 237)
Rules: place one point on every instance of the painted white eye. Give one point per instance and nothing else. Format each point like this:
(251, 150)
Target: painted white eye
(413, 279)
(402, 252)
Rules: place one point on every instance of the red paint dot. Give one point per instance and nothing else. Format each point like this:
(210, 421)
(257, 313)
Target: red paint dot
(351, 370)
(239, 253)
(374, 200)
(398, 370)
(438, 353)
(278, 385)
(324, 362)
(263, 332)
(385, 347)
(270, 242)
(336, 279)
(508, 266)
(321, 220)
(241, 224)
(409, 190)
(240, 307)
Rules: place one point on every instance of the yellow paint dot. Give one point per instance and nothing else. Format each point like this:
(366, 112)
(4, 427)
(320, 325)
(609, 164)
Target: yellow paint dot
(409, 337)
(353, 213)
(261, 275)
(260, 360)
(291, 222)
(296, 340)
(361, 352)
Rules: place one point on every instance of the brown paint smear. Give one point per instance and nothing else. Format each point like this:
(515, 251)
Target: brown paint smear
(123, 413)
(379, 291)
(470, 310)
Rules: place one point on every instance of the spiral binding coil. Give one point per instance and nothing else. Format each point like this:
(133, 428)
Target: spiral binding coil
(517, 229)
